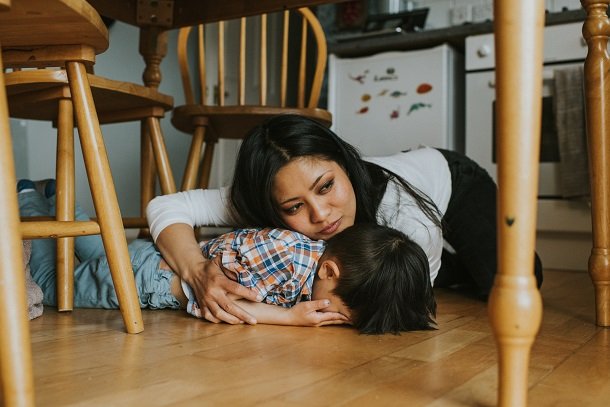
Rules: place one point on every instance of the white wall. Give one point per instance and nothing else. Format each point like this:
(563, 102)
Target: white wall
(35, 142)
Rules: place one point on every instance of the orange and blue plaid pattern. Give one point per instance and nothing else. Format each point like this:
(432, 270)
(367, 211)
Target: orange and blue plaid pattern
(280, 264)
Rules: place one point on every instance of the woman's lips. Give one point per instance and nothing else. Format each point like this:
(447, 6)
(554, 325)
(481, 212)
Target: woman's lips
(332, 228)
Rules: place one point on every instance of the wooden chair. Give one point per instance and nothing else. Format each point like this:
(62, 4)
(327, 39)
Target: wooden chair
(68, 34)
(16, 376)
(210, 122)
(36, 95)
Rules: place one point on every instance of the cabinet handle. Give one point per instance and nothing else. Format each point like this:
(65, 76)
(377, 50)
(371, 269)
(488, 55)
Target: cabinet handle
(483, 51)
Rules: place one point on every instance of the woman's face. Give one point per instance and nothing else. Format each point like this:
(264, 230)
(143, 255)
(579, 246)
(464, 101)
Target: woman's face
(315, 197)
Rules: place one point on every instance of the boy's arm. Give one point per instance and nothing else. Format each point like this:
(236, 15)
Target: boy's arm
(307, 313)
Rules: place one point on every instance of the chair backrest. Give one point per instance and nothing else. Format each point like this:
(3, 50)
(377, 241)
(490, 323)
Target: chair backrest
(42, 33)
(289, 31)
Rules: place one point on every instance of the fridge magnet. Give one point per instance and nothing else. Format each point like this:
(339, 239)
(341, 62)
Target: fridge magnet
(397, 94)
(359, 78)
(395, 113)
(363, 110)
(383, 92)
(418, 106)
(390, 75)
(365, 97)
(424, 88)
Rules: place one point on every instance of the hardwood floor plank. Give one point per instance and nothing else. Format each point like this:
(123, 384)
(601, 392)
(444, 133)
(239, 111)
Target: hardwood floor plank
(582, 379)
(84, 358)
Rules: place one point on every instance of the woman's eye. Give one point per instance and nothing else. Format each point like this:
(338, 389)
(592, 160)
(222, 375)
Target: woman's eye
(293, 209)
(327, 186)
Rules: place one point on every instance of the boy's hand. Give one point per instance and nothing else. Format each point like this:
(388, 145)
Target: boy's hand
(308, 313)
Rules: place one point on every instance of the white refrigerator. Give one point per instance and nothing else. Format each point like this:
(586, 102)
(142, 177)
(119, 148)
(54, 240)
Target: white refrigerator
(394, 101)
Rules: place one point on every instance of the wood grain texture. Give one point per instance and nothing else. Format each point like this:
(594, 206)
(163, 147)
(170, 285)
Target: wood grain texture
(191, 12)
(16, 377)
(48, 23)
(515, 306)
(179, 360)
(597, 91)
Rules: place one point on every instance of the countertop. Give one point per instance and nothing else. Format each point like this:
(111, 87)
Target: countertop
(454, 36)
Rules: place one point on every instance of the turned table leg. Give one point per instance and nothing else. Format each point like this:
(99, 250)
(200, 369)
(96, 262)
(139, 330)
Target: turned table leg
(515, 305)
(597, 90)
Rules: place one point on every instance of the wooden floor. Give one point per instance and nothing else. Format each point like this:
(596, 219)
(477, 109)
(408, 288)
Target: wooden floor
(85, 359)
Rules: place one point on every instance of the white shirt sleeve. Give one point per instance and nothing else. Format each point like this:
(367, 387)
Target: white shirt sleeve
(197, 207)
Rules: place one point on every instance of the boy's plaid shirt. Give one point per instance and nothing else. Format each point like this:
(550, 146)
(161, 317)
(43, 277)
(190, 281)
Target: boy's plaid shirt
(279, 264)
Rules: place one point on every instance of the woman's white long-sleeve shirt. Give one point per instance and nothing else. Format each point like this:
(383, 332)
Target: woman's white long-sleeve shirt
(425, 168)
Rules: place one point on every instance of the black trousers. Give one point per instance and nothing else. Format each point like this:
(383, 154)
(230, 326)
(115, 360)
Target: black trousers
(470, 228)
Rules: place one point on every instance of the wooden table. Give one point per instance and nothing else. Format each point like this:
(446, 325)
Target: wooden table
(156, 17)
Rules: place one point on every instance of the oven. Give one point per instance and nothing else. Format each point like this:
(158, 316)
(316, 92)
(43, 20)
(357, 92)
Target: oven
(564, 225)
(563, 48)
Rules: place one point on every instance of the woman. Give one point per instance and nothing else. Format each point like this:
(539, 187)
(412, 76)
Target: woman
(294, 173)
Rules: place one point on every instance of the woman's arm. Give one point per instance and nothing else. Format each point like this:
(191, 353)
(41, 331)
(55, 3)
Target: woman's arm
(307, 313)
(171, 218)
(198, 207)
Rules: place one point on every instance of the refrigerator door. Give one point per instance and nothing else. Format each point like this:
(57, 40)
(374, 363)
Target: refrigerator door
(394, 101)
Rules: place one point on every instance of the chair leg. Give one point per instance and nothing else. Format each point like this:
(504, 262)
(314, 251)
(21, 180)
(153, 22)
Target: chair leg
(104, 196)
(65, 204)
(164, 169)
(15, 347)
(147, 167)
(206, 164)
(147, 175)
(189, 181)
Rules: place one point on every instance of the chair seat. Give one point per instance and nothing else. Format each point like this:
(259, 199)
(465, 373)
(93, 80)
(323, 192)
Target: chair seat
(48, 23)
(234, 121)
(33, 95)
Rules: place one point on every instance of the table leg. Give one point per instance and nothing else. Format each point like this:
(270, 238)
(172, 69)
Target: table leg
(515, 305)
(597, 90)
(153, 48)
(15, 347)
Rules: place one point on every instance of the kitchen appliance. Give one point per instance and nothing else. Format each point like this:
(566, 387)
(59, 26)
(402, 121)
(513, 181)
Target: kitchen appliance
(563, 48)
(407, 21)
(564, 225)
(394, 101)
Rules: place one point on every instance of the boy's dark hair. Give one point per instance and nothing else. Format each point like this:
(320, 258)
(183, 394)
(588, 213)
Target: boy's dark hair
(384, 279)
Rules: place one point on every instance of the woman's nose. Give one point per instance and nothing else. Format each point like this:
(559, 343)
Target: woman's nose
(319, 212)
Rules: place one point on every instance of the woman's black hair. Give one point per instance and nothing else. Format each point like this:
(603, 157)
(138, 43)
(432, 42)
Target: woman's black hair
(270, 146)
(384, 279)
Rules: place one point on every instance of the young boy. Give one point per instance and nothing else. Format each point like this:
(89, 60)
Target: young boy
(373, 275)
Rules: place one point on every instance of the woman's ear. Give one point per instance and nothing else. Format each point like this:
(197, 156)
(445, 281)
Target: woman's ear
(328, 269)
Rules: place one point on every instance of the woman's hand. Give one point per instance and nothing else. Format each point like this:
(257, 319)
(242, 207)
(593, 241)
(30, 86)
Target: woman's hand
(309, 313)
(182, 253)
(216, 295)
